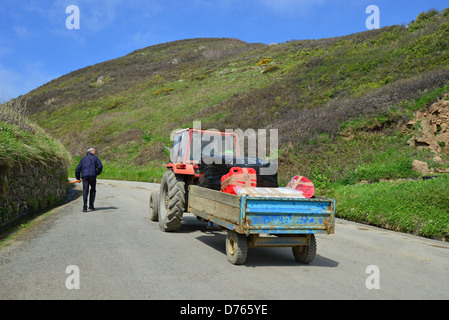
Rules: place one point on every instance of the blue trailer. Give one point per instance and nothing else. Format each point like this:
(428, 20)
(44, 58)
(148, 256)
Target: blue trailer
(265, 221)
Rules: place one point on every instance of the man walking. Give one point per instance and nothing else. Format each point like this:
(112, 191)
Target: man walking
(89, 167)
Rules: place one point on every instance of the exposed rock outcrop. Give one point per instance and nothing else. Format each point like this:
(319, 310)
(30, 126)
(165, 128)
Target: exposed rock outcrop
(433, 130)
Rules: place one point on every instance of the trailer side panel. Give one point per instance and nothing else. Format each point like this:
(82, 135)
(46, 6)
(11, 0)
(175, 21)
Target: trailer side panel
(288, 216)
(214, 203)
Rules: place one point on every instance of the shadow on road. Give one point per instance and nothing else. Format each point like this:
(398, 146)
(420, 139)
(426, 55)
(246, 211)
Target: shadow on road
(105, 208)
(257, 257)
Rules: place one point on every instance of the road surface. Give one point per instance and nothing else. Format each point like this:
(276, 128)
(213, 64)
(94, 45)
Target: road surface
(117, 252)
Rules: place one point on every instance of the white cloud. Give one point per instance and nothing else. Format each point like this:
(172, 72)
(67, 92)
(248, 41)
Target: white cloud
(98, 16)
(5, 46)
(291, 6)
(22, 32)
(218, 4)
(284, 7)
(14, 83)
(142, 39)
(8, 84)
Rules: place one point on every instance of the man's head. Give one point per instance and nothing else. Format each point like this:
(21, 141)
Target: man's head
(91, 150)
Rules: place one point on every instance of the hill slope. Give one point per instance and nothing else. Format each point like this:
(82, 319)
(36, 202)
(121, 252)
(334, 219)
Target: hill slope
(127, 107)
(341, 105)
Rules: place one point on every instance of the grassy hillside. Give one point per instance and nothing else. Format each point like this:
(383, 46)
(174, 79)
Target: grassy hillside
(341, 105)
(23, 142)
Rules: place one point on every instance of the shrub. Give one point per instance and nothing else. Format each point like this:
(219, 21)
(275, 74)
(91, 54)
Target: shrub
(271, 69)
(163, 91)
(422, 19)
(14, 112)
(425, 16)
(445, 12)
(264, 61)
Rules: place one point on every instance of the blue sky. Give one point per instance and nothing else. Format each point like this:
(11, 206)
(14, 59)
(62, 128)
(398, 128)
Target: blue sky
(36, 46)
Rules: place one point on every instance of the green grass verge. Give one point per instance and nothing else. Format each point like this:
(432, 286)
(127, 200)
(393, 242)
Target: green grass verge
(18, 146)
(419, 207)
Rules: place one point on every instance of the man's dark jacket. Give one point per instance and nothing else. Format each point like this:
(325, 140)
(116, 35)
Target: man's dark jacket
(89, 166)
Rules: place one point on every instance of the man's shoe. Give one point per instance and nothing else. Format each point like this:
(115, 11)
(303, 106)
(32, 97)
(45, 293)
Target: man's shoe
(92, 208)
(84, 210)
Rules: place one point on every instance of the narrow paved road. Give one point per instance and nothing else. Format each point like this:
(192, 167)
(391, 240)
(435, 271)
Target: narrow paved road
(121, 254)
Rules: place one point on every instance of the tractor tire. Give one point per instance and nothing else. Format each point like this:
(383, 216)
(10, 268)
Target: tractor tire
(154, 205)
(236, 247)
(172, 202)
(305, 254)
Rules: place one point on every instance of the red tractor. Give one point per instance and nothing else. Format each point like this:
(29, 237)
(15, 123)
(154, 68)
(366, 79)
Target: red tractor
(169, 205)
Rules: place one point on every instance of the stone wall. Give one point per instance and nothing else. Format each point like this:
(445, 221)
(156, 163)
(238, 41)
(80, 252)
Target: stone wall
(31, 188)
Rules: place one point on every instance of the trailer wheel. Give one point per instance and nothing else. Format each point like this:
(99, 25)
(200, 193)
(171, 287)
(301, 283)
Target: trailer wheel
(305, 254)
(154, 206)
(236, 247)
(172, 202)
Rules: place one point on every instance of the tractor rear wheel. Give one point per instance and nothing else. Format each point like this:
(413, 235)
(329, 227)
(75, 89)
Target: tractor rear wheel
(172, 202)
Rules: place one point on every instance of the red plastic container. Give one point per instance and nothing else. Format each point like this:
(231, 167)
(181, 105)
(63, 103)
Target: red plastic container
(238, 178)
(302, 184)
